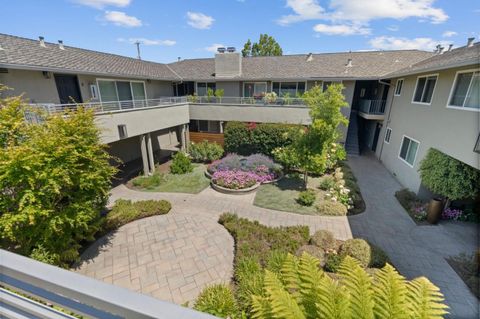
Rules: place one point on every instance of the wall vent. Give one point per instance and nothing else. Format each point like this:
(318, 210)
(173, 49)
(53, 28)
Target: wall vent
(122, 131)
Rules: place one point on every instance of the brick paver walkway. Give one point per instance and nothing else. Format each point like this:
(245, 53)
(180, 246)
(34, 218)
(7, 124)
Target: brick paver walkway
(174, 256)
(414, 250)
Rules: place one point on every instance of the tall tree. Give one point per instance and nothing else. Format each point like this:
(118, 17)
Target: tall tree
(266, 46)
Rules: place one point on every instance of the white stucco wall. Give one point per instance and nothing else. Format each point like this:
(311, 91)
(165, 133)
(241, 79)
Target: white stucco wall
(35, 87)
(451, 131)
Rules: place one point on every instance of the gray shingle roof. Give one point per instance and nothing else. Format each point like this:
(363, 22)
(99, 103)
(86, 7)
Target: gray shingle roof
(28, 53)
(457, 57)
(365, 65)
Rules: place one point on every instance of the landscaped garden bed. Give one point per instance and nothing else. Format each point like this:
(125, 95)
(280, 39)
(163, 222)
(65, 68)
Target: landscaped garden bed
(237, 174)
(468, 268)
(282, 271)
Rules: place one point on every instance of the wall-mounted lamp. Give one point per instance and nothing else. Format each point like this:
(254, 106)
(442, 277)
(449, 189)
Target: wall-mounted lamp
(46, 74)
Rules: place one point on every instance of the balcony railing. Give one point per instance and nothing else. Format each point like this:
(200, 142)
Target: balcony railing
(102, 107)
(41, 284)
(375, 107)
(258, 101)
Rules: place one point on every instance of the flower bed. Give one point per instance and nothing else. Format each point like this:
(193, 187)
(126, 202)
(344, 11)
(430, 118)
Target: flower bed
(234, 179)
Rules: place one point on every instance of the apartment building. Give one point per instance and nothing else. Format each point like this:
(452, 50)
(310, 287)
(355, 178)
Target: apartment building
(146, 109)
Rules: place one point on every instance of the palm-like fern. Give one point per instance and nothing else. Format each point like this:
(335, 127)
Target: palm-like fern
(302, 290)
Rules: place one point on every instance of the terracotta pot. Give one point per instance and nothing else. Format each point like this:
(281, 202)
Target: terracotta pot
(434, 211)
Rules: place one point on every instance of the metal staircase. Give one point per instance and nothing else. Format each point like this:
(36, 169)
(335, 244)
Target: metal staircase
(351, 144)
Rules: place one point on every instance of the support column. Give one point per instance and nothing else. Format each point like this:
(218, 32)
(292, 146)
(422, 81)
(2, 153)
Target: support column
(150, 154)
(143, 148)
(183, 138)
(187, 133)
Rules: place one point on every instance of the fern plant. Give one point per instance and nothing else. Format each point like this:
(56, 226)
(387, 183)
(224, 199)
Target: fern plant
(301, 290)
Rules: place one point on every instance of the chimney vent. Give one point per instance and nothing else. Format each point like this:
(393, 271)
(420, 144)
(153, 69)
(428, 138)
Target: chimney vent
(42, 41)
(349, 63)
(231, 49)
(437, 48)
(450, 46)
(440, 50)
(309, 57)
(60, 45)
(179, 58)
(470, 42)
(221, 50)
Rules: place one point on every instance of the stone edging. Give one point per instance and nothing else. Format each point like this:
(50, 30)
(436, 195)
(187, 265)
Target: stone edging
(225, 190)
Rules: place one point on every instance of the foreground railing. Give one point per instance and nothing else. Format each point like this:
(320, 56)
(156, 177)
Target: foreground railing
(73, 292)
(376, 107)
(100, 107)
(259, 101)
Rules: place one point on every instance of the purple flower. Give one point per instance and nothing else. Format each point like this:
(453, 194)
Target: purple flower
(234, 179)
(451, 213)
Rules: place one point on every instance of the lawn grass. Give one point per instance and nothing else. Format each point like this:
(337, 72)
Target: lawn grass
(283, 195)
(192, 183)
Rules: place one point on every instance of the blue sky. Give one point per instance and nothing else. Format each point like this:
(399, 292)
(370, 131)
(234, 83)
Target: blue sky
(193, 28)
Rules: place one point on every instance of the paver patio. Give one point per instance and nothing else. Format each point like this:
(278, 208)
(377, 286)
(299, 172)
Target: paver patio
(414, 250)
(174, 256)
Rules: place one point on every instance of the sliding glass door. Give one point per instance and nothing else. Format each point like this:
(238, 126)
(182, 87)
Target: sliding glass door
(127, 94)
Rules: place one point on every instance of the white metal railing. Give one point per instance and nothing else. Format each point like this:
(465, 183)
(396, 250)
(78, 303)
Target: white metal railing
(73, 292)
(376, 107)
(233, 100)
(101, 107)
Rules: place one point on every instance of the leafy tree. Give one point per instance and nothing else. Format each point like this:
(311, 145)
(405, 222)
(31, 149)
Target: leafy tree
(302, 290)
(313, 146)
(54, 181)
(447, 176)
(266, 46)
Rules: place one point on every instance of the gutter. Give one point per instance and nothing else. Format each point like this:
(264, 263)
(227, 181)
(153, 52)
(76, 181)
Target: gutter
(429, 69)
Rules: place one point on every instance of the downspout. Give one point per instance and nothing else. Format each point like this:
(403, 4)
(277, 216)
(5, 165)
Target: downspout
(388, 117)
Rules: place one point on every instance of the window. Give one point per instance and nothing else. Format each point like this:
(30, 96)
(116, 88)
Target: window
(117, 91)
(424, 90)
(205, 126)
(388, 133)
(398, 87)
(203, 87)
(408, 150)
(290, 88)
(362, 92)
(254, 89)
(466, 90)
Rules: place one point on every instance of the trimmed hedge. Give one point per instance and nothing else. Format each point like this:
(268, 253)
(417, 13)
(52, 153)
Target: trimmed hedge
(250, 138)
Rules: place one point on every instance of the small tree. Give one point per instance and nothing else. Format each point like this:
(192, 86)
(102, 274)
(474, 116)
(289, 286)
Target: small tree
(219, 94)
(266, 46)
(54, 182)
(448, 177)
(314, 143)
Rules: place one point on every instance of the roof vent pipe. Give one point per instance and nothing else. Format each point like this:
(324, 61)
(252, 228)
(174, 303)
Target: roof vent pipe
(231, 49)
(309, 57)
(221, 50)
(470, 42)
(60, 45)
(349, 63)
(437, 48)
(440, 50)
(450, 46)
(42, 41)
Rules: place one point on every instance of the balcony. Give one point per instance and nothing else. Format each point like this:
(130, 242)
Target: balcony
(372, 109)
(256, 101)
(41, 284)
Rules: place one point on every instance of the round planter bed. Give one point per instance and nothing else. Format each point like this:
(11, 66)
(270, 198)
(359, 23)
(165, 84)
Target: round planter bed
(225, 190)
(209, 176)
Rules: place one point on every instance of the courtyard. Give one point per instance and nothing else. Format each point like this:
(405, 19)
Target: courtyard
(173, 257)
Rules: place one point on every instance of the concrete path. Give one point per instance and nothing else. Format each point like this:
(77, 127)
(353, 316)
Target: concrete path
(414, 250)
(174, 256)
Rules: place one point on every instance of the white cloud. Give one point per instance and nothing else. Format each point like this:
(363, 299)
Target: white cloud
(100, 4)
(448, 34)
(340, 29)
(121, 19)
(199, 20)
(394, 43)
(356, 12)
(365, 11)
(393, 28)
(145, 41)
(213, 48)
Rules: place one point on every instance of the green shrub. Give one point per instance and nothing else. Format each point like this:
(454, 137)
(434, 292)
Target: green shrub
(447, 176)
(378, 257)
(323, 239)
(250, 138)
(205, 152)
(217, 300)
(329, 208)
(355, 194)
(125, 211)
(314, 251)
(306, 198)
(275, 260)
(181, 164)
(332, 262)
(149, 182)
(302, 290)
(327, 183)
(249, 281)
(358, 249)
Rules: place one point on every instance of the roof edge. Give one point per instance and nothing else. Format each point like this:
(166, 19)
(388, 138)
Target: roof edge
(444, 67)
